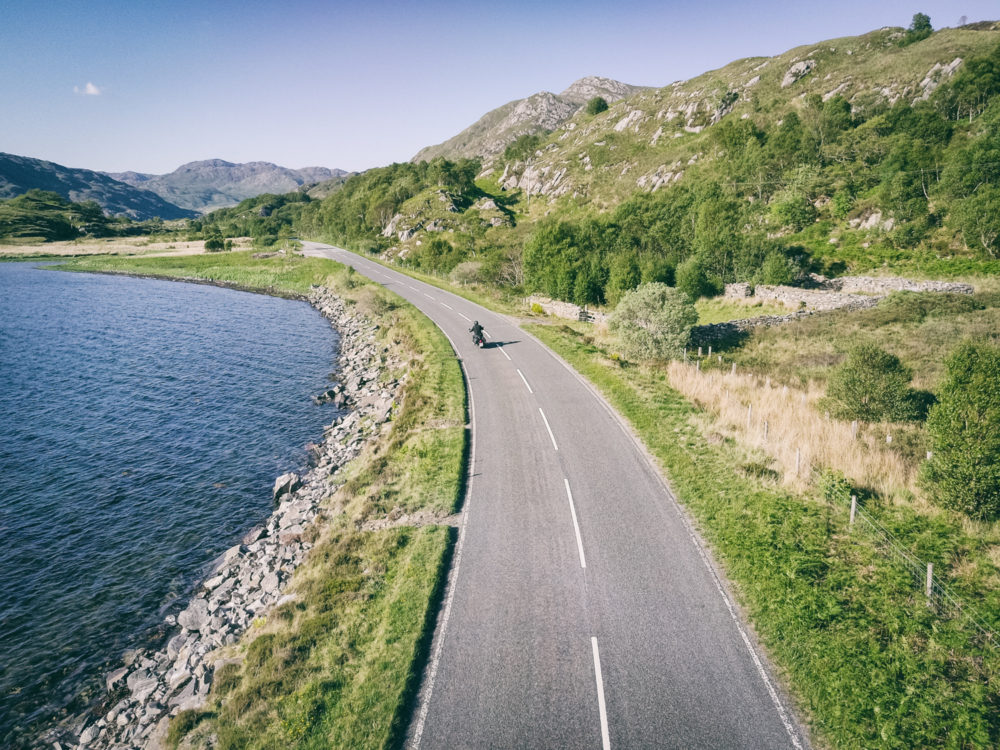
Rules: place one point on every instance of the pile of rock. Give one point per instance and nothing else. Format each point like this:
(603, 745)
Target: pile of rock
(249, 578)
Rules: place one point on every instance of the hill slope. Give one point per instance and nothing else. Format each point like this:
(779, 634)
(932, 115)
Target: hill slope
(206, 185)
(19, 174)
(543, 111)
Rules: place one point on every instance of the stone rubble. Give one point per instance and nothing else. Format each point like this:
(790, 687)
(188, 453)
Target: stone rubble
(249, 579)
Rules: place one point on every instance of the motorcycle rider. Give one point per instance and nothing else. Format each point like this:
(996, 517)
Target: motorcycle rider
(477, 332)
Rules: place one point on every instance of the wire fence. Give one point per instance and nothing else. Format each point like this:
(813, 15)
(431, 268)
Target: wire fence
(938, 594)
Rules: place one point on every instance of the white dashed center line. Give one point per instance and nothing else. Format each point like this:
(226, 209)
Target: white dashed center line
(504, 353)
(465, 316)
(448, 306)
(602, 708)
(551, 436)
(576, 525)
(524, 380)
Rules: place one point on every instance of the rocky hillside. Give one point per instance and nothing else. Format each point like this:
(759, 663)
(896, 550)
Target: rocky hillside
(543, 111)
(206, 185)
(648, 140)
(19, 174)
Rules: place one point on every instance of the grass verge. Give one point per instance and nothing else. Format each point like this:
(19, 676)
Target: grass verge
(868, 662)
(339, 666)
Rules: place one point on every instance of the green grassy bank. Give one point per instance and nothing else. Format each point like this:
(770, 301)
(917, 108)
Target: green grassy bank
(869, 664)
(339, 666)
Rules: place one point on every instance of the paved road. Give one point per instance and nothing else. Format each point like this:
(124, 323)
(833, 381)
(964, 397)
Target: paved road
(581, 612)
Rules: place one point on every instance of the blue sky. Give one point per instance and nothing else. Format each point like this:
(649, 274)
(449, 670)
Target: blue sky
(147, 86)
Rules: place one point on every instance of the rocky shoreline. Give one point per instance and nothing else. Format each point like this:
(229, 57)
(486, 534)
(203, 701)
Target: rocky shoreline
(250, 578)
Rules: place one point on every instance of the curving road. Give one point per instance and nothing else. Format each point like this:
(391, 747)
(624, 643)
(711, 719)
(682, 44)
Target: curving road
(581, 611)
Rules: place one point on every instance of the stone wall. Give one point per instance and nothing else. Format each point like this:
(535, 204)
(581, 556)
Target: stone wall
(567, 310)
(250, 578)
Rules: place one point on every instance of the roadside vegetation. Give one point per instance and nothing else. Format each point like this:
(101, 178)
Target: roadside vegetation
(867, 660)
(338, 666)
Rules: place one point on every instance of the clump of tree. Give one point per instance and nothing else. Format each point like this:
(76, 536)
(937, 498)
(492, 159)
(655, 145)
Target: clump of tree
(524, 146)
(653, 322)
(920, 28)
(963, 472)
(45, 215)
(366, 203)
(596, 105)
(873, 385)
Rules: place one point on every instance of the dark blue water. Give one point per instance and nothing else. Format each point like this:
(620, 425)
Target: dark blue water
(142, 424)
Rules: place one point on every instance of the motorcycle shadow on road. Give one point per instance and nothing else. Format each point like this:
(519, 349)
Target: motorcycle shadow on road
(497, 344)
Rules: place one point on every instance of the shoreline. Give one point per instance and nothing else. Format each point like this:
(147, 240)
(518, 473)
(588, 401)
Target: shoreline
(250, 579)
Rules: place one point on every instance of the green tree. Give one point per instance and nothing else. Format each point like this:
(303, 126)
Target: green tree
(872, 385)
(920, 28)
(776, 269)
(978, 219)
(214, 243)
(964, 427)
(692, 279)
(653, 322)
(597, 105)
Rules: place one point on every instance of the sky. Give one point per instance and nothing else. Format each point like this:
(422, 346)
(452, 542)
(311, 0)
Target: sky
(117, 85)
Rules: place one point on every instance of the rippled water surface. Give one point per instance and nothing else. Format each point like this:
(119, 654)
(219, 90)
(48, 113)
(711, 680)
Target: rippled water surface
(142, 424)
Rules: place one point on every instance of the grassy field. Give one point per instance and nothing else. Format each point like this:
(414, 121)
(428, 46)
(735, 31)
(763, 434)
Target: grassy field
(144, 246)
(869, 664)
(339, 666)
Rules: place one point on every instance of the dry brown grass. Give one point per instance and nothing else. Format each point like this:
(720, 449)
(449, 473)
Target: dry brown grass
(117, 246)
(797, 433)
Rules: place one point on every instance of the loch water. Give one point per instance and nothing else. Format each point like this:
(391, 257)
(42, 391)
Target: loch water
(142, 424)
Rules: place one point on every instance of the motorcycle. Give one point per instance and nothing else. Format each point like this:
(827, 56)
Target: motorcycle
(479, 340)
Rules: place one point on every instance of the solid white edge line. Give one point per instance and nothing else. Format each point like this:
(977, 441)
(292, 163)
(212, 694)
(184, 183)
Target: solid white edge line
(524, 380)
(576, 525)
(504, 353)
(601, 706)
(551, 436)
(427, 689)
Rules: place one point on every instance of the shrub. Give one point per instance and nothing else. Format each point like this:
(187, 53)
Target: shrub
(692, 279)
(776, 269)
(653, 321)
(597, 105)
(964, 427)
(872, 385)
(468, 272)
(215, 243)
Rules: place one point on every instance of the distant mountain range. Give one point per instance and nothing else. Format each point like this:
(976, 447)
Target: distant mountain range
(544, 111)
(206, 185)
(19, 174)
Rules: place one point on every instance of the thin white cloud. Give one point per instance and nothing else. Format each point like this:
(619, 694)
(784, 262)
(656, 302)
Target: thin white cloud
(88, 90)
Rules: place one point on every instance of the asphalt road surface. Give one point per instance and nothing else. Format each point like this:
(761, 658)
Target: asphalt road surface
(581, 611)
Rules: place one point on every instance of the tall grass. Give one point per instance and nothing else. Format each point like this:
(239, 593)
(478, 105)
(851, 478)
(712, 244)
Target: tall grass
(786, 424)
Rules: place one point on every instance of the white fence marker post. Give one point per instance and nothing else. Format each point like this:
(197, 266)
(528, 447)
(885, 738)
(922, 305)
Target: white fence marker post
(710, 351)
(699, 351)
(697, 366)
(749, 414)
(854, 429)
(854, 507)
(733, 371)
(930, 582)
